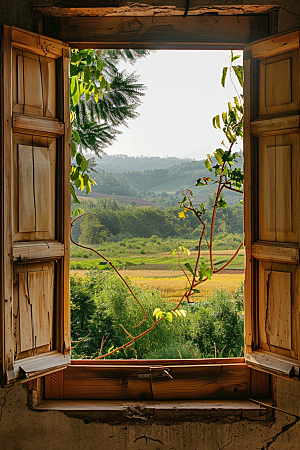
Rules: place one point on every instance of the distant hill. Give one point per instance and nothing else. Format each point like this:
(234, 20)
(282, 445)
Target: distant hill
(159, 179)
(125, 163)
(136, 201)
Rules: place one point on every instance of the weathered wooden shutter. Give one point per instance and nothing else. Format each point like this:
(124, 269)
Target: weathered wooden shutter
(272, 204)
(35, 205)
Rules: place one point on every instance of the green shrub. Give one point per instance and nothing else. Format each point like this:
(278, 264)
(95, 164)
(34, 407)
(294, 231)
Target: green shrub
(101, 303)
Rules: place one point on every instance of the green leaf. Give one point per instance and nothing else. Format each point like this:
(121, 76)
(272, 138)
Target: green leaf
(77, 211)
(238, 70)
(73, 194)
(76, 136)
(73, 86)
(224, 118)
(234, 58)
(85, 179)
(168, 317)
(218, 157)
(78, 159)
(207, 165)
(83, 164)
(73, 149)
(216, 121)
(188, 266)
(75, 97)
(223, 78)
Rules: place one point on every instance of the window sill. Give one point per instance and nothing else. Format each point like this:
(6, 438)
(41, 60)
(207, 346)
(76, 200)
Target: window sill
(163, 411)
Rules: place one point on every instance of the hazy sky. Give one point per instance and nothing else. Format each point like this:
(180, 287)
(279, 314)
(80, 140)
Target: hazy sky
(183, 94)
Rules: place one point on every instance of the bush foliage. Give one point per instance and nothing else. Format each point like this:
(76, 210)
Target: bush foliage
(100, 304)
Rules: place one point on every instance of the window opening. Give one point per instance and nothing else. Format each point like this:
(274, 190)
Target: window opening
(136, 220)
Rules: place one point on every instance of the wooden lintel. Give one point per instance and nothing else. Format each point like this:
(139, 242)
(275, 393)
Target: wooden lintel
(197, 32)
(135, 9)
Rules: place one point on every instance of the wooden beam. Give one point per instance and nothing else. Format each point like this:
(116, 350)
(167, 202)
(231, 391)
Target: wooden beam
(198, 32)
(135, 9)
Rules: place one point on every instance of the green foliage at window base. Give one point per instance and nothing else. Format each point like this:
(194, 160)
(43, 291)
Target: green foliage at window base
(101, 302)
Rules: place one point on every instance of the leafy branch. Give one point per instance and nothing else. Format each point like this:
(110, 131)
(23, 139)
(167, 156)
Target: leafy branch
(224, 176)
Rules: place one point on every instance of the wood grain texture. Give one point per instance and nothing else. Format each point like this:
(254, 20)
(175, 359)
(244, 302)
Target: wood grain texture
(34, 250)
(278, 73)
(159, 32)
(275, 252)
(276, 45)
(54, 385)
(279, 91)
(36, 44)
(37, 125)
(26, 199)
(146, 382)
(248, 198)
(275, 364)
(6, 213)
(113, 8)
(34, 302)
(278, 188)
(34, 191)
(278, 125)
(155, 362)
(216, 381)
(32, 81)
(34, 85)
(36, 366)
(260, 384)
(279, 308)
(43, 191)
(274, 186)
(33, 89)
(278, 320)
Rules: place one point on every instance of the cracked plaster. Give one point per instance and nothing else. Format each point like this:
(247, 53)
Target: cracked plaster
(23, 428)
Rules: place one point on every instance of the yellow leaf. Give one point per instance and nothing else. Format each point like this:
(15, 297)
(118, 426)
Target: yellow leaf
(181, 214)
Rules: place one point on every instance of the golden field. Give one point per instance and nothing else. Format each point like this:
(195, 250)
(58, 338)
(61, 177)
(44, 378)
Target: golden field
(172, 283)
(173, 287)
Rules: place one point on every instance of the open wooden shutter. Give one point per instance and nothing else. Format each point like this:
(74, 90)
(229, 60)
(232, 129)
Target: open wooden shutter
(272, 204)
(35, 205)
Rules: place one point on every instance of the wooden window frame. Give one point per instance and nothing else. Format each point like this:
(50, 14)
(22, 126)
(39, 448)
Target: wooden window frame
(154, 379)
(145, 380)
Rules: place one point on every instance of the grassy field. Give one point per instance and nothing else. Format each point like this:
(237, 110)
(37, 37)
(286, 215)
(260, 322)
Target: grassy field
(158, 269)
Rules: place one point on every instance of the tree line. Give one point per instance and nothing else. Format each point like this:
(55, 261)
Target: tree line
(110, 219)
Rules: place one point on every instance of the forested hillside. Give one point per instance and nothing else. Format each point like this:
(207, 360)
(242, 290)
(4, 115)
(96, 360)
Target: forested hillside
(159, 180)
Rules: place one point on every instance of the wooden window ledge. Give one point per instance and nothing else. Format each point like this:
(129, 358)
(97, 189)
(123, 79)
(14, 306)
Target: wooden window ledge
(163, 411)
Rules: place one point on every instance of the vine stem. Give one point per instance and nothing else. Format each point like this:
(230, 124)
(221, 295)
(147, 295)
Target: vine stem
(128, 344)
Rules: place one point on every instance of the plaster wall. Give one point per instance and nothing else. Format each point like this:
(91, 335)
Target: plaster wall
(23, 428)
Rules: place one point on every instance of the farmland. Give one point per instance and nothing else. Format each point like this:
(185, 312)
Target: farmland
(159, 270)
